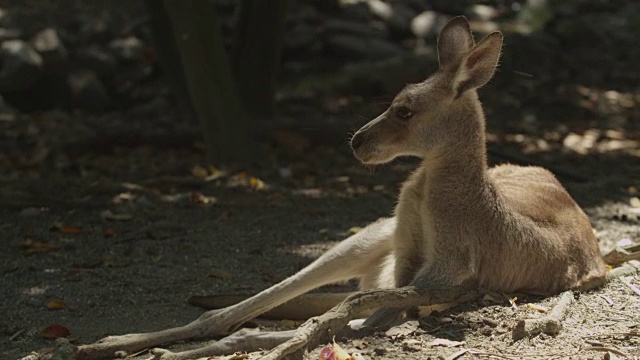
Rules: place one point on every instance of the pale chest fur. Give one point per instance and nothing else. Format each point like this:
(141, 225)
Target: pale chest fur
(414, 240)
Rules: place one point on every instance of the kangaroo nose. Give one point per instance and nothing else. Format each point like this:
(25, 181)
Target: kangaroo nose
(356, 141)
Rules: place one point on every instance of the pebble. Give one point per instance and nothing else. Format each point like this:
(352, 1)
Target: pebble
(21, 66)
(87, 91)
(486, 331)
(48, 44)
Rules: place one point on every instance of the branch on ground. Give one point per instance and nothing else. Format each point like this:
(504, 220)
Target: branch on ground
(551, 324)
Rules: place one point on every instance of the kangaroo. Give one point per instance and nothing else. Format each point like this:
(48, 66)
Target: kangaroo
(457, 222)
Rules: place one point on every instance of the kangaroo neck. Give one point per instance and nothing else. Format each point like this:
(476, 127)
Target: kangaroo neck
(455, 173)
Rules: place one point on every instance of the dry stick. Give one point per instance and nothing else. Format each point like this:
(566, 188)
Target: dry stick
(551, 324)
(312, 332)
(630, 285)
(622, 254)
(245, 340)
(603, 348)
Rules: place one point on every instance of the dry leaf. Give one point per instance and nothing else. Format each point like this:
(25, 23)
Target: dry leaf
(55, 331)
(33, 246)
(70, 229)
(404, 329)
(445, 342)
(109, 232)
(355, 229)
(215, 173)
(56, 305)
(256, 183)
(200, 198)
(110, 215)
(538, 308)
(199, 172)
(335, 352)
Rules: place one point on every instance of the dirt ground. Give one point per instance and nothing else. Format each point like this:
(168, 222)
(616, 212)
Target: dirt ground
(110, 222)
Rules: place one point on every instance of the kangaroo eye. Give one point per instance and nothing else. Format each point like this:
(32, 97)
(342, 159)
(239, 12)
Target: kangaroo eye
(404, 113)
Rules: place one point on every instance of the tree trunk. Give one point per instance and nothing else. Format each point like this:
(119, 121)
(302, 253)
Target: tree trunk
(226, 128)
(169, 57)
(256, 53)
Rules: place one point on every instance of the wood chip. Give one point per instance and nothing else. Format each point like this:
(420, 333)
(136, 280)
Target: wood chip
(627, 282)
(445, 342)
(607, 299)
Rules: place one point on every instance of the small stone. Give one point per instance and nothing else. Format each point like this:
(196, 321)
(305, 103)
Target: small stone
(444, 320)
(482, 12)
(424, 24)
(48, 44)
(20, 66)
(412, 345)
(490, 322)
(87, 91)
(380, 351)
(93, 58)
(486, 331)
(129, 48)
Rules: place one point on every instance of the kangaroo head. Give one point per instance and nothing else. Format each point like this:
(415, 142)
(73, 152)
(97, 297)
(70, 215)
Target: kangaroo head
(422, 116)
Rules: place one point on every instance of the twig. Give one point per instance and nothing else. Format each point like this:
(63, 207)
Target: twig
(622, 254)
(457, 354)
(603, 348)
(245, 340)
(499, 356)
(549, 324)
(630, 285)
(16, 334)
(625, 333)
(314, 330)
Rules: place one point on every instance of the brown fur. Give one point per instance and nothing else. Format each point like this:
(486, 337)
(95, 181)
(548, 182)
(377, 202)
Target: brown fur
(457, 222)
(508, 228)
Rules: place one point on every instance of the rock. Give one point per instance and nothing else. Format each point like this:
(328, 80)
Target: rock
(424, 24)
(397, 15)
(380, 351)
(381, 9)
(482, 12)
(48, 44)
(486, 331)
(129, 48)
(87, 91)
(20, 66)
(97, 60)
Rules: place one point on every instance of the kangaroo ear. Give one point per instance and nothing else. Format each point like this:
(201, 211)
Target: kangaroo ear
(478, 66)
(454, 42)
